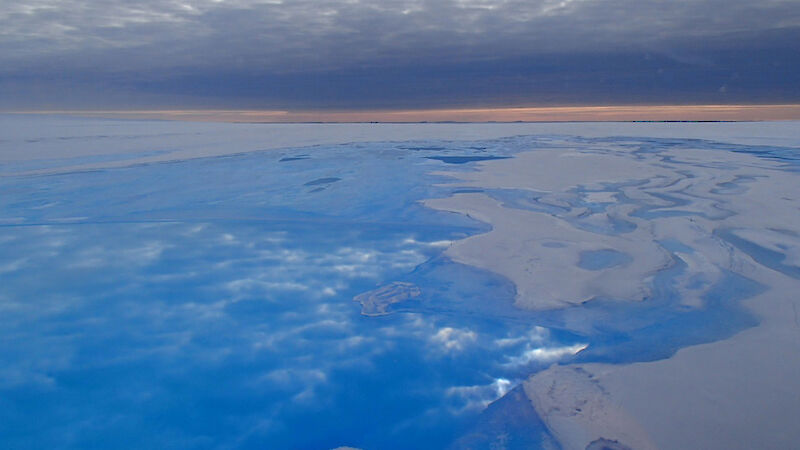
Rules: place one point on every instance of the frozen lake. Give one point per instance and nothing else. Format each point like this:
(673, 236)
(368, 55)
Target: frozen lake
(161, 300)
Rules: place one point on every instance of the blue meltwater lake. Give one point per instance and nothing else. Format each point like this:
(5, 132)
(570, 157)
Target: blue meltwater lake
(209, 302)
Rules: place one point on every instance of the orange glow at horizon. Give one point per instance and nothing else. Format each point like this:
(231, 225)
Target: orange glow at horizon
(528, 114)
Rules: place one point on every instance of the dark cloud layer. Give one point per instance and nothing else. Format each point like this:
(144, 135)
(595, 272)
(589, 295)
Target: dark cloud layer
(385, 54)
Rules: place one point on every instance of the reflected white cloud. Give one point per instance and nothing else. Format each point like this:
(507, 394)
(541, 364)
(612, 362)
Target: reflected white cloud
(537, 335)
(250, 284)
(6, 267)
(290, 378)
(14, 377)
(543, 355)
(436, 244)
(147, 253)
(119, 255)
(478, 397)
(328, 291)
(454, 339)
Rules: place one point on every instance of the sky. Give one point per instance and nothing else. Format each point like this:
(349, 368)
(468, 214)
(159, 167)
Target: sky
(395, 55)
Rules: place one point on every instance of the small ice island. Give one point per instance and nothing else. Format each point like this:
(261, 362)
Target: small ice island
(377, 302)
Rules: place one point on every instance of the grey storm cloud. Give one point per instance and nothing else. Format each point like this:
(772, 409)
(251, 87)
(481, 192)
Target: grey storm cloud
(132, 43)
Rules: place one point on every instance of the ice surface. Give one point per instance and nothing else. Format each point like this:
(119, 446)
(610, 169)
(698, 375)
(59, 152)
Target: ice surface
(47, 144)
(192, 285)
(729, 223)
(579, 411)
(680, 193)
(207, 302)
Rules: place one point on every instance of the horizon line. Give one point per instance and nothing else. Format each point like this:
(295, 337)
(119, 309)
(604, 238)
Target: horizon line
(588, 113)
